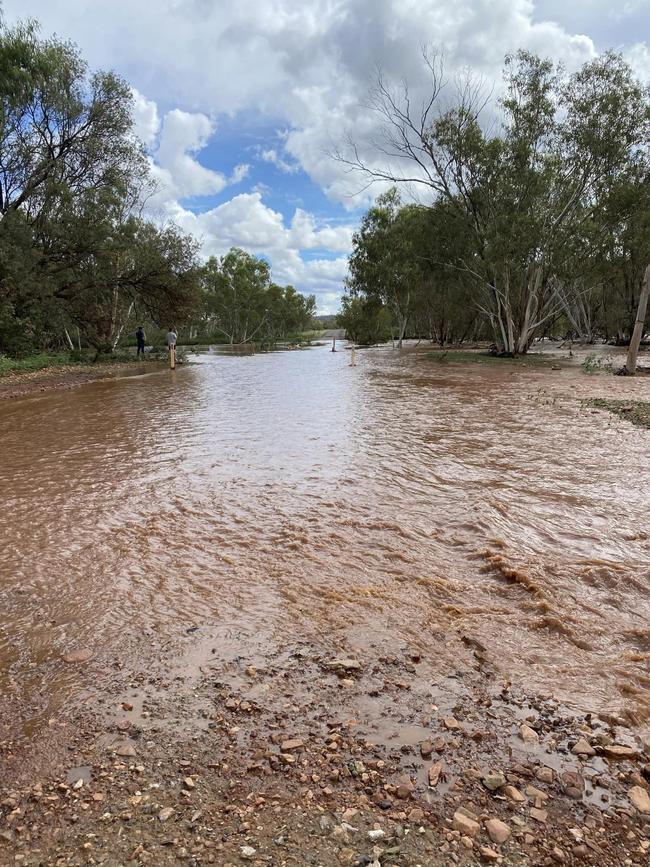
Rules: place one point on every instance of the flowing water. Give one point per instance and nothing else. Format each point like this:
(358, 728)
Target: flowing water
(293, 495)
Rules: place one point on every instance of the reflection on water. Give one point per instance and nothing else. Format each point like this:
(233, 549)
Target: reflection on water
(291, 493)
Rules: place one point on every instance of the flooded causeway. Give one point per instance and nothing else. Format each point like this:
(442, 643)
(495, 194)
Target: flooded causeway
(440, 506)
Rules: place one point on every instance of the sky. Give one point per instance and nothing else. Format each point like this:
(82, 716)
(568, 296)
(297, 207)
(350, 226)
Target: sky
(242, 102)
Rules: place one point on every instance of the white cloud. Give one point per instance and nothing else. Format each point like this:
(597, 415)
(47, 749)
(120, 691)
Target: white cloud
(145, 118)
(245, 221)
(304, 68)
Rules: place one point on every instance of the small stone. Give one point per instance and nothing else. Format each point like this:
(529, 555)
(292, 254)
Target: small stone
(640, 799)
(247, 851)
(494, 780)
(497, 830)
(82, 655)
(126, 705)
(465, 825)
(404, 791)
(343, 665)
(291, 745)
(166, 813)
(558, 855)
(416, 815)
(538, 815)
(434, 774)
(583, 748)
(619, 751)
(513, 794)
(126, 750)
(573, 785)
(528, 735)
(544, 774)
(488, 854)
(452, 724)
(534, 792)
(467, 842)
(189, 783)
(376, 835)
(426, 749)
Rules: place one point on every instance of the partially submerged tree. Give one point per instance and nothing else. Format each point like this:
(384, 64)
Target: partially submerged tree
(241, 303)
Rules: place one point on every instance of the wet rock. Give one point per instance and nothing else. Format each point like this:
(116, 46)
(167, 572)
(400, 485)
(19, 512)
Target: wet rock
(426, 749)
(497, 830)
(434, 773)
(126, 705)
(573, 785)
(465, 825)
(528, 735)
(404, 791)
(343, 665)
(493, 780)
(640, 798)
(619, 751)
(513, 794)
(292, 745)
(82, 655)
(583, 748)
(537, 794)
(544, 774)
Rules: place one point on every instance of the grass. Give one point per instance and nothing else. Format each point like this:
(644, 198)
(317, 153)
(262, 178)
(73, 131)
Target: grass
(635, 411)
(45, 360)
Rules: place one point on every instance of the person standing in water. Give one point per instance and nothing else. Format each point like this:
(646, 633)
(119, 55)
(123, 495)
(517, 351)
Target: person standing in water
(170, 340)
(140, 336)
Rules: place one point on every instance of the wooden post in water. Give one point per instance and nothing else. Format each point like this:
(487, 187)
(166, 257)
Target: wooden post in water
(353, 358)
(637, 335)
(333, 344)
(172, 357)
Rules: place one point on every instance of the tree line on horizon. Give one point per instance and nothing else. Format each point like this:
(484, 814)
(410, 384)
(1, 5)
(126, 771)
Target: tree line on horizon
(536, 214)
(81, 264)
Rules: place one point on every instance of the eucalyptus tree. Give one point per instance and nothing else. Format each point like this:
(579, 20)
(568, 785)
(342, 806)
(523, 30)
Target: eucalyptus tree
(522, 183)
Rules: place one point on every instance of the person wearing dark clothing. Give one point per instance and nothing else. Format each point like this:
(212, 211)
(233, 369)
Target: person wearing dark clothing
(140, 336)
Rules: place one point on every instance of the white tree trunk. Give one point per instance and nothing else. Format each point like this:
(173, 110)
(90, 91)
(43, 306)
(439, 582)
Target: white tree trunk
(637, 334)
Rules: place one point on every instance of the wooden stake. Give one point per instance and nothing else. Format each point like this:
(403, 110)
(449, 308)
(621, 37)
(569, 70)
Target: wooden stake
(172, 357)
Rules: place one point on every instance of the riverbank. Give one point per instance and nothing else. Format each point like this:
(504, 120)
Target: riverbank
(59, 376)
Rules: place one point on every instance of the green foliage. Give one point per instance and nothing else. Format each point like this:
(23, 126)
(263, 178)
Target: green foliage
(242, 304)
(550, 199)
(595, 363)
(74, 257)
(365, 319)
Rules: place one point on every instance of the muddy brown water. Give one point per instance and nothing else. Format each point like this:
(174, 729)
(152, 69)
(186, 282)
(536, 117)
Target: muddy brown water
(291, 495)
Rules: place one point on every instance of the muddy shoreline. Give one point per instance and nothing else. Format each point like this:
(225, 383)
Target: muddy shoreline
(199, 757)
(60, 378)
